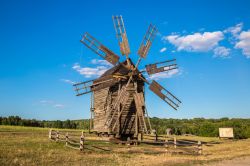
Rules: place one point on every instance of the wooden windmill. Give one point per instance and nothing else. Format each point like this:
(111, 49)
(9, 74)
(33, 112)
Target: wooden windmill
(118, 101)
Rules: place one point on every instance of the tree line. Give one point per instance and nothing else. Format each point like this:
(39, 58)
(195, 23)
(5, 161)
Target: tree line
(195, 126)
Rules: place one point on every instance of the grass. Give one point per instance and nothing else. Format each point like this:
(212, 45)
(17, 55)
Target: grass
(31, 146)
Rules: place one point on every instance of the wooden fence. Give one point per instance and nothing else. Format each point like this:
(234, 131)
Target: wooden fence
(171, 144)
(71, 143)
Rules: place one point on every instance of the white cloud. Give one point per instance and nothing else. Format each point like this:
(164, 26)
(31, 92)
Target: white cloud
(68, 81)
(90, 72)
(244, 43)
(221, 52)
(51, 103)
(101, 62)
(163, 49)
(46, 102)
(197, 42)
(235, 30)
(168, 74)
(60, 106)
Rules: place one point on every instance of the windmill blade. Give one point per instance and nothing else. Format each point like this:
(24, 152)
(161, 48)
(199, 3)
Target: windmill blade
(147, 41)
(161, 67)
(94, 85)
(99, 49)
(144, 48)
(121, 35)
(165, 95)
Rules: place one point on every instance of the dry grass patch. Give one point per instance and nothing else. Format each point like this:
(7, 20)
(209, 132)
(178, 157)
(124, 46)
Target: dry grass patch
(30, 146)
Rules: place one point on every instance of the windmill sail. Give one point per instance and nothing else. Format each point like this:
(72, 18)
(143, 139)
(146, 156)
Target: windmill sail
(147, 41)
(99, 49)
(161, 67)
(121, 35)
(93, 85)
(165, 95)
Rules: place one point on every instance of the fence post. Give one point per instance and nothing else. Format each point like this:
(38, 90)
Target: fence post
(128, 141)
(50, 133)
(82, 142)
(57, 135)
(175, 142)
(67, 138)
(199, 148)
(166, 144)
(156, 137)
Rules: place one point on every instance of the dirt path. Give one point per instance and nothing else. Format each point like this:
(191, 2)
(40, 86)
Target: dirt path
(243, 161)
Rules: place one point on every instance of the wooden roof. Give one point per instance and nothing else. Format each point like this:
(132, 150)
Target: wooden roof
(120, 69)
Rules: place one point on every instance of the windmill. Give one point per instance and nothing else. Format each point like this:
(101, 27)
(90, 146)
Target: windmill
(118, 96)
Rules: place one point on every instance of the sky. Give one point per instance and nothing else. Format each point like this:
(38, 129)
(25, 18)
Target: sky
(41, 55)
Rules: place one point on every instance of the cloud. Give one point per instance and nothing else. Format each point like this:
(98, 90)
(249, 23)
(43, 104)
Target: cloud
(46, 102)
(221, 51)
(68, 81)
(88, 72)
(51, 103)
(163, 49)
(162, 75)
(244, 43)
(60, 106)
(235, 30)
(101, 62)
(197, 42)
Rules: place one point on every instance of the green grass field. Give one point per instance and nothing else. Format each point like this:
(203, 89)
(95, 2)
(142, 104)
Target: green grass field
(31, 146)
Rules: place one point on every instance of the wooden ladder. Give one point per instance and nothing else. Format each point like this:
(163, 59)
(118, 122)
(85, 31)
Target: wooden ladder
(122, 97)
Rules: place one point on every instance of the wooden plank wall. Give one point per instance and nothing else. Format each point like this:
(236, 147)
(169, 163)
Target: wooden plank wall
(103, 98)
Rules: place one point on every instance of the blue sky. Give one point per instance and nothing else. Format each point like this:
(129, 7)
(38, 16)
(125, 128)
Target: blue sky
(41, 55)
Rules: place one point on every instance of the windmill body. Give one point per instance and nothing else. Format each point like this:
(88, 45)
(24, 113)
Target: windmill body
(118, 96)
(128, 118)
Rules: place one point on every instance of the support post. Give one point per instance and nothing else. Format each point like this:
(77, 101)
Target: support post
(136, 124)
(82, 142)
(199, 148)
(119, 111)
(150, 127)
(57, 136)
(50, 131)
(156, 136)
(175, 142)
(166, 144)
(128, 141)
(91, 112)
(67, 138)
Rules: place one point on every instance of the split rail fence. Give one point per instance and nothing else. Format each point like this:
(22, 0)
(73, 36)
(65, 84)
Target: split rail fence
(69, 142)
(170, 144)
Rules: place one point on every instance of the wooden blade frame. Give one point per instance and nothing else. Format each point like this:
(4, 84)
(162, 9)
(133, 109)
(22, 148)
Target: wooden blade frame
(121, 35)
(83, 87)
(161, 67)
(90, 86)
(147, 41)
(99, 49)
(165, 95)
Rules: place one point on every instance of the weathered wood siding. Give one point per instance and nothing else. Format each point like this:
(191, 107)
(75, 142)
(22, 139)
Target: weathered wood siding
(103, 99)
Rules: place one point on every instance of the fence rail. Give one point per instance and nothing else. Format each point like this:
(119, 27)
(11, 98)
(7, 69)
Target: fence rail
(171, 144)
